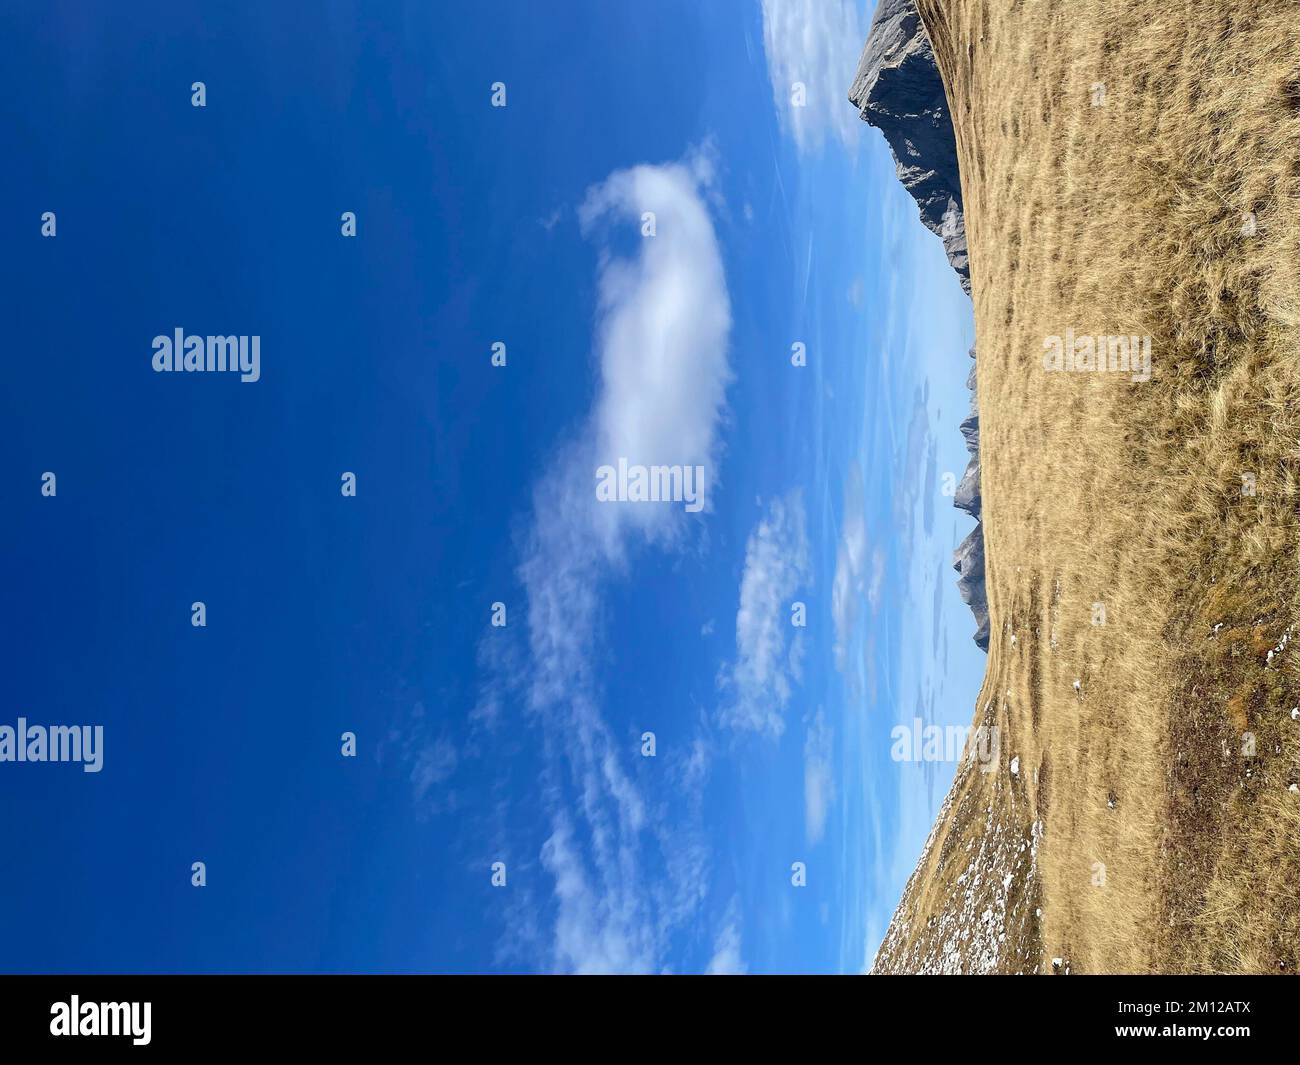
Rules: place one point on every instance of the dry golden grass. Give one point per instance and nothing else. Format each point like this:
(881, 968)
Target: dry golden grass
(1132, 218)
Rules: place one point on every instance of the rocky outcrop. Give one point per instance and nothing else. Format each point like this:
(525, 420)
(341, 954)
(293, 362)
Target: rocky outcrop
(898, 90)
(968, 559)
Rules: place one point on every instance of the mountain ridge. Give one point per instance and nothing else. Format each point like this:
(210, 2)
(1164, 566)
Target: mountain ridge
(898, 89)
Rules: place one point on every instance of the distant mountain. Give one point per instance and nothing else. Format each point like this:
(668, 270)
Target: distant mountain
(898, 90)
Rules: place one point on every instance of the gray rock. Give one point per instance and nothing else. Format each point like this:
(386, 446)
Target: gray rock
(967, 496)
(968, 561)
(898, 90)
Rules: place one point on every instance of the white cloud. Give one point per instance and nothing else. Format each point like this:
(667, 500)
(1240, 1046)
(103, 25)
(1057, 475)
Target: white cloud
(664, 323)
(433, 764)
(429, 760)
(661, 343)
(816, 43)
(877, 577)
(596, 931)
(856, 293)
(727, 960)
(769, 649)
(850, 583)
(818, 778)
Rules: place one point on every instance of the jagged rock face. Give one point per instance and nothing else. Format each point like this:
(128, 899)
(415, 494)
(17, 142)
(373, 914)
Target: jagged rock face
(967, 497)
(970, 427)
(968, 561)
(899, 91)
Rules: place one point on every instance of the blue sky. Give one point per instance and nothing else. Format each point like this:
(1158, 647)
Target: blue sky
(520, 744)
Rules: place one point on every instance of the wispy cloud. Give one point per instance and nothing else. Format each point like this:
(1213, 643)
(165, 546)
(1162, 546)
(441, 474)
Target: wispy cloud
(623, 877)
(664, 321)
(815, 44)
(769, 648)
(849, 586)
(727, 959)
(423, 750)
(818, 778)
(434, 764)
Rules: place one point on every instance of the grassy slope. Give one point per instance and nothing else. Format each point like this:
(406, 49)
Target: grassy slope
(1166, 844)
